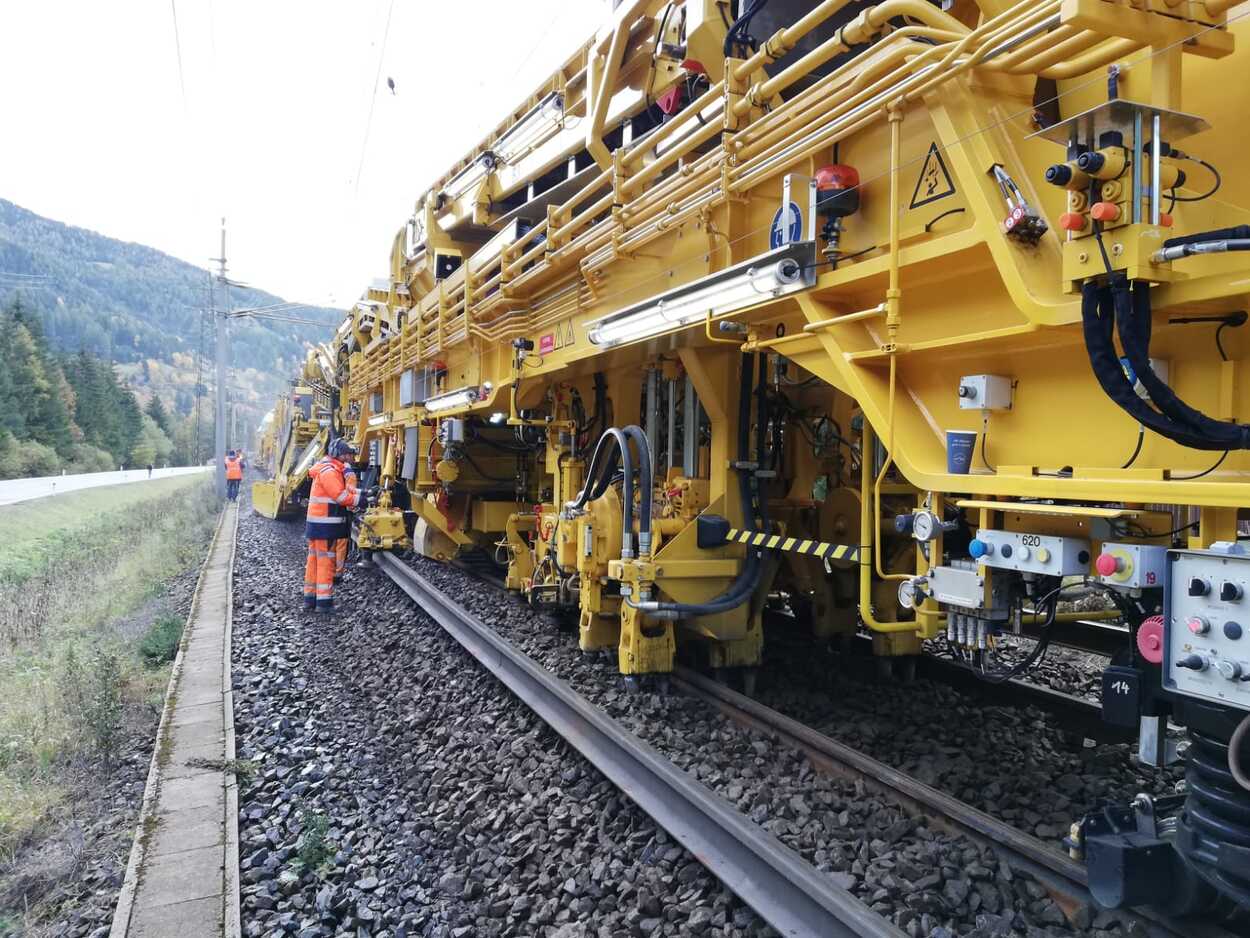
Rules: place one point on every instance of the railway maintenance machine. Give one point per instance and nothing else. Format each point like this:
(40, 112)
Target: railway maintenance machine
(907, 317)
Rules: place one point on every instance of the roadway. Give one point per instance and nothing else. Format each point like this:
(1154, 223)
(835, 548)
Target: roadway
(21, 490)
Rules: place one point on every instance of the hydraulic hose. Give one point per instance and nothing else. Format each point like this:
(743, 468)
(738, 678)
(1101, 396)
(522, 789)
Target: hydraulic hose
(613, 437)
(748, 578)
(1133, 320)
(646, 486)
(1098, 322)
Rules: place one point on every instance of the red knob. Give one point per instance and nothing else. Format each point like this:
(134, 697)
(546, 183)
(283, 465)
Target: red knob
(1105, 211)
(1107, 565)
(1072, 221)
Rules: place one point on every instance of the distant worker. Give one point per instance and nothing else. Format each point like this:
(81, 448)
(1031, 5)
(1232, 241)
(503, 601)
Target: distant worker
(342, 545)
(149, 470)
(328, 503)
(234, 475)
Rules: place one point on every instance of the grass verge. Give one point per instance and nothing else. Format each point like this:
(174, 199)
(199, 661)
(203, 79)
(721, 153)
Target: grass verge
(85, 643)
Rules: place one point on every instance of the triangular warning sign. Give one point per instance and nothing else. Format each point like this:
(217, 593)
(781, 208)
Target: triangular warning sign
(935, 180)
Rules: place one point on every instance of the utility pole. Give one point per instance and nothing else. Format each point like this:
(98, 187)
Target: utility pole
(223, 364)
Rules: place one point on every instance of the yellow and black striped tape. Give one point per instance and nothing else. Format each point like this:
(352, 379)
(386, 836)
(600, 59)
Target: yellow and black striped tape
(796, 545)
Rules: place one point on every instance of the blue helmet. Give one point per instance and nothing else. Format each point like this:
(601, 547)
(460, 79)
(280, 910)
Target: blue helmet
(341, 449)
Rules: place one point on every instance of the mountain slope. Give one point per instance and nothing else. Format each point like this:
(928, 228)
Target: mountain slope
(138, 307)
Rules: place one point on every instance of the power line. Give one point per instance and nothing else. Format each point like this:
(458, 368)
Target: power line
(373, 100)
(182, 85)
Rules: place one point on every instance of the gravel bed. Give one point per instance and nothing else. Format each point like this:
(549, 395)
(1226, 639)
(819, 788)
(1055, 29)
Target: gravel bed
(929, 883)
(397, 789)
(1015, 763)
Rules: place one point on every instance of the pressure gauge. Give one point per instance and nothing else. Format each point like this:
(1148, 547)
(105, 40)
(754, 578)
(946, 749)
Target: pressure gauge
(911, 592)
(925, 526)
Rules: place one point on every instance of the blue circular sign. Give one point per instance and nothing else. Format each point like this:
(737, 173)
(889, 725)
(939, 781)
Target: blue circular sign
(787, 226)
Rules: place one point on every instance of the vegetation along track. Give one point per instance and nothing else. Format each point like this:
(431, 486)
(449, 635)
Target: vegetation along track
(922, 859)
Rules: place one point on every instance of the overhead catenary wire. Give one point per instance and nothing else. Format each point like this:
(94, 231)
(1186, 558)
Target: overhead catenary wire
(182, 84)
(373, 98)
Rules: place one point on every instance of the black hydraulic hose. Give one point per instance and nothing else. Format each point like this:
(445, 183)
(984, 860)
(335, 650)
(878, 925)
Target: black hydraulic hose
(612, 436)
(646, 485)
(1098, 322)
(603, 462)
(748, 578)
(1237, 232)
(1133, 321)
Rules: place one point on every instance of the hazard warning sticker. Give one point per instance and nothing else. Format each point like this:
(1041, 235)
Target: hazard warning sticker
(563, 337)
(935, 180)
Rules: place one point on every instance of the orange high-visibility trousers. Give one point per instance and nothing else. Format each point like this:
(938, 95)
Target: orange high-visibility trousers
(340, 557)
(319, 575)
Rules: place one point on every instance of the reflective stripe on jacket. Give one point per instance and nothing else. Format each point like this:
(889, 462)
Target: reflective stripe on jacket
(328, 501)
(234, 467)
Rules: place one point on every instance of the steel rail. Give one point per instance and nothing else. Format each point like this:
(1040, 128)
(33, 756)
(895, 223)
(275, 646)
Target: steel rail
(1064, 877)
(784, 889)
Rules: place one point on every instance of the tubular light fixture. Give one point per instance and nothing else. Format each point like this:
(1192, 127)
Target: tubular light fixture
(785, 270)
(452, 400)
(543, 119)
(469, 178)
(378, 419)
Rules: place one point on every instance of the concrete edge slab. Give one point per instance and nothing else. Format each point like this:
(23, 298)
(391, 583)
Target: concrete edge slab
(124, 911)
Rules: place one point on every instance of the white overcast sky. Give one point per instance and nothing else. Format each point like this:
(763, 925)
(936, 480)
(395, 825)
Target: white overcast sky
(98, 132)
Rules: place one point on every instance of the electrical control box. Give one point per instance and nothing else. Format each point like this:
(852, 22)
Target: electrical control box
(450, 430)
(1031, 553)
(1132, 566)
(984, 392)
(1206, 620)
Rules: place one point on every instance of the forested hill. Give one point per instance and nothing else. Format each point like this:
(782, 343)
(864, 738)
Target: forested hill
(128, 303)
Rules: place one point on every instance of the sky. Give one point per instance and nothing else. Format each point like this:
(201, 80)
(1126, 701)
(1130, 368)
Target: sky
(266, 122)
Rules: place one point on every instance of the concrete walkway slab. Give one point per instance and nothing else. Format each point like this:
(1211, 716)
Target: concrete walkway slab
(182, 877)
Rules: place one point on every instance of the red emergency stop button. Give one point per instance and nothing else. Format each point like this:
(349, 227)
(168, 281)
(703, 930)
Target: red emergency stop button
(1105, 211)
(1107, 565)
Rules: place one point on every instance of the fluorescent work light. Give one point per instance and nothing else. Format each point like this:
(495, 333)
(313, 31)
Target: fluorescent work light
(462, 397)
(780, 272)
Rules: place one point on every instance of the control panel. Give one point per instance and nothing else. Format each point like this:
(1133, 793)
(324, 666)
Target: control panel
(1206, 618)
(1132, 566)
(1031, 553)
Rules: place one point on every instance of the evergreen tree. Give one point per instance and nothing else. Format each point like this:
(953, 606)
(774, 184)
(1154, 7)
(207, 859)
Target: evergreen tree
(156, 410)
(36, 405)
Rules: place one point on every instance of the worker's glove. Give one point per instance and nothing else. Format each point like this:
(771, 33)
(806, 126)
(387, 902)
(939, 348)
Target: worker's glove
(371, 496)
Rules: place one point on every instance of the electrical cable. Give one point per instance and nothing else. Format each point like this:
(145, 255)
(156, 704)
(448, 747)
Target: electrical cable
(1204, 472)
(1206, 195)
(985, 435)
(1141, 437)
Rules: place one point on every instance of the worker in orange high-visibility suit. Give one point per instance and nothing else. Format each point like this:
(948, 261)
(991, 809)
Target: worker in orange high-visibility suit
(328, 503)
(343, 543)
(234, 474)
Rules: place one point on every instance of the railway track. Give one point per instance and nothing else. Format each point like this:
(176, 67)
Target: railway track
(786, 891)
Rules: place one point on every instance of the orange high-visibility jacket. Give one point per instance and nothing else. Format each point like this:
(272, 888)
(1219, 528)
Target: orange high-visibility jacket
(234, 467)
(328, 501)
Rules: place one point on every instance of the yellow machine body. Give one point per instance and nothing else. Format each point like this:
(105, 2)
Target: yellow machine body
(294, 435)
(593, 248)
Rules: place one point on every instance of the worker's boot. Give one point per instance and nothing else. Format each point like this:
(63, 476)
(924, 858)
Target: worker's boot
(325, 608)
(310, 603)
